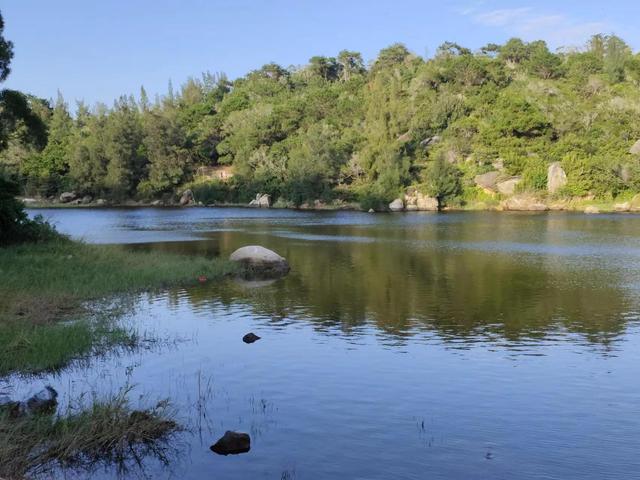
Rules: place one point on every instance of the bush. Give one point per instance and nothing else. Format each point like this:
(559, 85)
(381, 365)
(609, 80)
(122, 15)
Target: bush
(15, 225)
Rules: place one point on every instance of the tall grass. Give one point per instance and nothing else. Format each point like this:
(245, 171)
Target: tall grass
(106, 432)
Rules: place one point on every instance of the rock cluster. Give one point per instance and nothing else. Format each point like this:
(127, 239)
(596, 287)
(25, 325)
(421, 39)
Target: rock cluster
(414, 201)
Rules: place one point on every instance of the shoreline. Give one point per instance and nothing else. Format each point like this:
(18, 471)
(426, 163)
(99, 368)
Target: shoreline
(570, 206)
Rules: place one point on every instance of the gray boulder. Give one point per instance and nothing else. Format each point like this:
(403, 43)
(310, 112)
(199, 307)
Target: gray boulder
(259, 262)
(86, 199)
(101, 202)
(262, 200)
(635, 148)
(508, 187)
(186, 198)
(67, 197)
(556, 177)
(157, 203)
(488, 180)
(397, 205)
(232, 443)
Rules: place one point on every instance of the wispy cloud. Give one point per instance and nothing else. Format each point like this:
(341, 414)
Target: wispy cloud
(559, 29)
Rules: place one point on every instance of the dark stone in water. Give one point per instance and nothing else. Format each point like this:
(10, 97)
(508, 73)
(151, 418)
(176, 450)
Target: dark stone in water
(232, 443)
(43, 402)
(250, 338)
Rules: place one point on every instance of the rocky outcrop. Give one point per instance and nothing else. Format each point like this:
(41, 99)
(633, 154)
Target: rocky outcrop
(250, 338)
(622, 207)
(415, 200)
(635, 148)
(67, 197)
(430, 141)
(232, 443)
(508, 187)
(86, 200)
(259, 262)
(262, 200)
(556, 177)
(186, 198)
(101, 202)
(523, 203)
(397, 205)
(157, 203)
(487, 181)
(634, 204)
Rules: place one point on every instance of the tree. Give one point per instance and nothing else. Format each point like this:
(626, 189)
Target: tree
(6, 53)
(442, 181)
(122, 148)
(324, 67)
(351, 64)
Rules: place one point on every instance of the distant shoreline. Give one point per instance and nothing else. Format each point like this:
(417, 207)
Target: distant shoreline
(575, 206)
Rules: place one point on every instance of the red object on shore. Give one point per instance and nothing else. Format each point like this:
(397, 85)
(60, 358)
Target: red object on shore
(202, 279)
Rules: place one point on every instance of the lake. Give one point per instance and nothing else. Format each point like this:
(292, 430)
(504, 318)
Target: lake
(418, 345)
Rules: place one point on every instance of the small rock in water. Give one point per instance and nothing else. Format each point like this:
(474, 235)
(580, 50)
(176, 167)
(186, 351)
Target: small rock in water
(250, 338)
(45, 401)
(232, 443)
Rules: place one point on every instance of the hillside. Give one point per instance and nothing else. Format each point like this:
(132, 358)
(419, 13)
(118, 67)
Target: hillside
(336, 130)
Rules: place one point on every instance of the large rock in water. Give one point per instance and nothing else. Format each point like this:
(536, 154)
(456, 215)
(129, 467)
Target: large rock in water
(396, 205)
(556, 178)
(232, 443)
(260, 262)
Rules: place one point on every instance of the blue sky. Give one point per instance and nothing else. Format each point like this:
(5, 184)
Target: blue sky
(97, 50)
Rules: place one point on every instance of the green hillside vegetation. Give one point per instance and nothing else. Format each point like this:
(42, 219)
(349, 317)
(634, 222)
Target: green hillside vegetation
(339, 130)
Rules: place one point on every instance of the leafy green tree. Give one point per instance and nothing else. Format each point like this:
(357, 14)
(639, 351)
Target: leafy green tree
(442, 181)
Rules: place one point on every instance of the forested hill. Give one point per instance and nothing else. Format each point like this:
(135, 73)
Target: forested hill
(337, 130)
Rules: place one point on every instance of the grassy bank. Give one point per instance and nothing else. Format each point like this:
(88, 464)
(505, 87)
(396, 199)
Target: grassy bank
(46, 313)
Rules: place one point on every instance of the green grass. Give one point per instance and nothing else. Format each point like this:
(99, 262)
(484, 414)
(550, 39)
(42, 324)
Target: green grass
(44, 284)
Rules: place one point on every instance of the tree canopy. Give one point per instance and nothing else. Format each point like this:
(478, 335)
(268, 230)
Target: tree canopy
(337, 129)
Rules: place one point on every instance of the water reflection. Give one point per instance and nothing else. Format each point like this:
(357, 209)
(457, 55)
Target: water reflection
(453, 279)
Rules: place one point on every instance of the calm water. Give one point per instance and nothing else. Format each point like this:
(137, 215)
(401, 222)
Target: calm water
(457, 346)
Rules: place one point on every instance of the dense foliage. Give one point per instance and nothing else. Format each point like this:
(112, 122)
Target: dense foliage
(338, 129)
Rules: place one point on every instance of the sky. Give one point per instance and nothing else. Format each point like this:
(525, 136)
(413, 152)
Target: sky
(98, 50)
